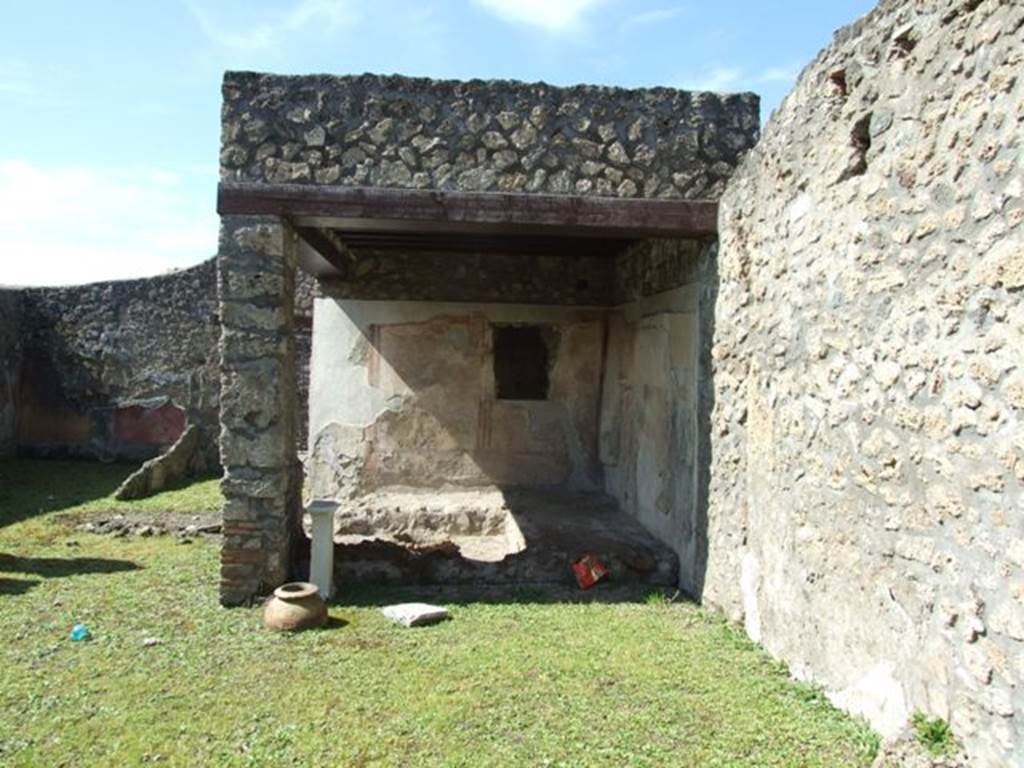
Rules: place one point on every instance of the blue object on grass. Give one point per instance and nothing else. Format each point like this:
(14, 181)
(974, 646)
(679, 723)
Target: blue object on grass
(80, 632)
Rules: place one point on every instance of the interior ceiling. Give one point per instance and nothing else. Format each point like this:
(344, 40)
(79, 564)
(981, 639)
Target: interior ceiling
(525, 243)
(324, 248)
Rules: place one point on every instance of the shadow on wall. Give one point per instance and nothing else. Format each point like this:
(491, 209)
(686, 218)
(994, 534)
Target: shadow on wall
(53, 422)
(708, 285)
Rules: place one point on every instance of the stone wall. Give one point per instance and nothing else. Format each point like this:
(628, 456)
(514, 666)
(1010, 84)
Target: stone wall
(866, 517)
(503, 136)
(654, 266)
(489, 277)
(306, 290)
(10, 366)
(115, 370)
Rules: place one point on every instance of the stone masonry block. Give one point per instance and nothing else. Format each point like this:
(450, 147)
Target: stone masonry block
(253, 244)
(251, 395)
(248, 286)
(264, 450)
(240, 346)
(262, 484)
(246, 315)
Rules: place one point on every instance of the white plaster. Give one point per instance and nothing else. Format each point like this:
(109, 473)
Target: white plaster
(338, 387)
(800, 207)
(341, 393)
(878, 697)
(649, 418)
(332, 374)
(750, 578)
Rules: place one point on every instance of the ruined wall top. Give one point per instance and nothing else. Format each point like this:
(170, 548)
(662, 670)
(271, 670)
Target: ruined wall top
(502, 136)
(79, 363)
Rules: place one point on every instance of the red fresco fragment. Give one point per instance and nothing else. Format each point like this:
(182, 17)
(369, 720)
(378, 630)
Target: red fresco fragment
(149, 426)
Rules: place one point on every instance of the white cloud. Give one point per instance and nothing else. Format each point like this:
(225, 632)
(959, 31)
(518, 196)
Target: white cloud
(78, 224)
(717, 79)
(250, 39)
(552, 16)
(650, 17)
(731, 79)
(329, 13)
(325, 15)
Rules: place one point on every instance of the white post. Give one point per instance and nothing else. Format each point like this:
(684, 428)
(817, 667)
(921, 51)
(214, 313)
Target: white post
(321, 561)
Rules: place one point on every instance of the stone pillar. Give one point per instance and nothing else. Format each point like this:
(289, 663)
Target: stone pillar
(262, 476)
(10, 367)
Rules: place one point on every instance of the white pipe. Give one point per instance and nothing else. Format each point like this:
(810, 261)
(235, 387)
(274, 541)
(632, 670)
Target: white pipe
(321, 561)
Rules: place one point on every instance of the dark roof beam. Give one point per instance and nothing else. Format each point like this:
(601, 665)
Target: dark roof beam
(407, 210)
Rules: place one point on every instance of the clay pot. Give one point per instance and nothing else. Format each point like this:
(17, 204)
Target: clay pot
(295, 606)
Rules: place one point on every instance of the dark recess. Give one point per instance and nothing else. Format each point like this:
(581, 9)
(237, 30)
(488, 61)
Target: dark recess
(520, 363)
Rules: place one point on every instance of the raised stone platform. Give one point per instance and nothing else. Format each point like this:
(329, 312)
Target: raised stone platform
(492, 536)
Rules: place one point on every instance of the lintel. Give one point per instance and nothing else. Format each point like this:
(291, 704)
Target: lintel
(495, 213)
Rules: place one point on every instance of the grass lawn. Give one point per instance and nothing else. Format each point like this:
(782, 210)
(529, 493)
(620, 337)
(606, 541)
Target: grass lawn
(519, 681)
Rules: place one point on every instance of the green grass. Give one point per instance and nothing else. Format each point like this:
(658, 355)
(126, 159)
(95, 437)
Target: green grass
(30, 488)
(934, 733)
(514, 682)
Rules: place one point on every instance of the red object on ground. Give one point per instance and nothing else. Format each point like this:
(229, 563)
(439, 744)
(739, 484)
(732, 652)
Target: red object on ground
(589, 570)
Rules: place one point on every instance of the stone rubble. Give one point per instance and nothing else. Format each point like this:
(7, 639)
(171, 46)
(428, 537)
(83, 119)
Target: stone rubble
(155, 475)
(905, 751)
(146, 525)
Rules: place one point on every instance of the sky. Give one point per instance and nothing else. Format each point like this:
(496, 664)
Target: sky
(109, 111)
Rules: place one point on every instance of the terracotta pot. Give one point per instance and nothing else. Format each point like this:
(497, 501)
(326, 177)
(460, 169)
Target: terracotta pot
(295, 606)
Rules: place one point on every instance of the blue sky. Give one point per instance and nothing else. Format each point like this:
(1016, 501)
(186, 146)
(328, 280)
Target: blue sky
(109, 111)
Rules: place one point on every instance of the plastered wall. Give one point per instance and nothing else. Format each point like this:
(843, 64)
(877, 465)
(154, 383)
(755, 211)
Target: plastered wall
(403, 394)
(648, 444)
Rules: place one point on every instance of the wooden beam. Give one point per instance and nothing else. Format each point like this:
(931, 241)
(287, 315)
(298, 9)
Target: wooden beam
(475, 242)
(409, 210)
(326, 245)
